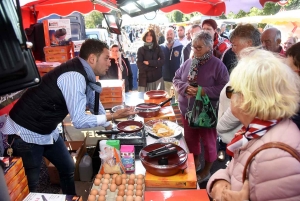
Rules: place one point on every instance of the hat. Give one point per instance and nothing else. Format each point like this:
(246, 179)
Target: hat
(211, 23)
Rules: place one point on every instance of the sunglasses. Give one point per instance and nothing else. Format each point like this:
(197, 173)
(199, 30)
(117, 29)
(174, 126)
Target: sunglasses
(229, 92)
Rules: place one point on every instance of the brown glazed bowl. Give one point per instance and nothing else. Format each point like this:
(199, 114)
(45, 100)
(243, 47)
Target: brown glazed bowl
(122, 126)
(176, 161)
(156, 94)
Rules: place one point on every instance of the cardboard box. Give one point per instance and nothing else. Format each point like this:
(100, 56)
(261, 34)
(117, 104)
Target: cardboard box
(16, 180)
(182, 195)
(57, 32)
(111, 100)
(57, 57)
(112, 86)
(76, 147)
(187, 179)
(116, 94)
(23, 194)
(14, 167)
(165, 113)
(57, 50)
(18, 189)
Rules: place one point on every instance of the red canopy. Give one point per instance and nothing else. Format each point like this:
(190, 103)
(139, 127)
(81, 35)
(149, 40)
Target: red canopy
(34, 9)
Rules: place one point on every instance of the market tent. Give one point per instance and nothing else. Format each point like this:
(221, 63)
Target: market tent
(284, 17)
(35, 9)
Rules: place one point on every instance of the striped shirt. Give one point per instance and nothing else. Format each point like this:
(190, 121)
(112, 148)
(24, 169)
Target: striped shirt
(77, 95)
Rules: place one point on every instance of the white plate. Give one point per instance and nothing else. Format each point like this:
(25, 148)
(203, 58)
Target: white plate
(177, 129)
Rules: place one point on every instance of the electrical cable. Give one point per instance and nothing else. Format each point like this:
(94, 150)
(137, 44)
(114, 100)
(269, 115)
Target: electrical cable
(153, 17)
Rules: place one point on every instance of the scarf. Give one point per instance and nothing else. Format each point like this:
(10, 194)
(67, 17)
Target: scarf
(91, 76)
(256, 129)
(149, 45)
(197, 62)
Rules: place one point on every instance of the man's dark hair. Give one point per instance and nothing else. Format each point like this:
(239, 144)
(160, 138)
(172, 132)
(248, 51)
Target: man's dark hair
(92, 46)
(294, 52)
(152, 33)
(114, 45)
(182, 27)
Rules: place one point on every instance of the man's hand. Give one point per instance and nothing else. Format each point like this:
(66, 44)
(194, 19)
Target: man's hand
(242, 195)
(146, 62)
(218, 188)
(108, 127)
(124, 112)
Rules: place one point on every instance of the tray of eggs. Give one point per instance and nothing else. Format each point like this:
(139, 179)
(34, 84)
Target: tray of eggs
(116, 187)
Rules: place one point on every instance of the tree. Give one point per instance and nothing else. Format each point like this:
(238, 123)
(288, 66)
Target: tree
(177, 16)
(93, 20)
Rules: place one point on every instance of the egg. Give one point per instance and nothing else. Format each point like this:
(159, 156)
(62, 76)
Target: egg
(113, 181)
(104, 187)
(131, 181)
(124, 176)
(97, 182)
(99, 176)
(132, 176)
(130, 187)
(102, 192)
(123, 181)
(121, 193)
(91, 198)
(101, 198)
(140, 176)
(139, 187)
(139, 182)
(113, 187)
(105, 181)
(139, 193)
(114, 176)
(121, 187)
(106, 176)
(118, 180)
(120, 198)
(129, 198)
(129, 193)
(94, 192)
(138, 198)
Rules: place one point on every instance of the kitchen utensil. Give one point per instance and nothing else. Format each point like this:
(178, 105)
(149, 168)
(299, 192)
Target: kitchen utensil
(148, 110)
(163, 152)
(121, 127)
(176, 161)
(156, 94)
(178, 130)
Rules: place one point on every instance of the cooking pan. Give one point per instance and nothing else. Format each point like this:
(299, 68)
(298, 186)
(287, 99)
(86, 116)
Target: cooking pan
(124, 127)
(156, 94)
(149, 110)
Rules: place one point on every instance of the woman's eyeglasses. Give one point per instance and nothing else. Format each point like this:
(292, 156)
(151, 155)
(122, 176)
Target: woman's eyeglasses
(229, 92)
(198, 48)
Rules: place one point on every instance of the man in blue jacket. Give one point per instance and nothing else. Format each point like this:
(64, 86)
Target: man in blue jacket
(172, 49)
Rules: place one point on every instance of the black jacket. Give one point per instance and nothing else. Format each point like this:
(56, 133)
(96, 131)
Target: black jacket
(153, 71)
(112, 73)
(230, 60)
(41, 108)
(186, 51)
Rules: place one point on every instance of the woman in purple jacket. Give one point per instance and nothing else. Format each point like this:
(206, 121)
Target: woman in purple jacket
(211, 74)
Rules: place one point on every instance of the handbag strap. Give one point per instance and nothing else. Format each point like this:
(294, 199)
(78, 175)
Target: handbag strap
(278, 145)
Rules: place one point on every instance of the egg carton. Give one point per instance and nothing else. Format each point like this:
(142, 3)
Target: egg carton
(113, 195)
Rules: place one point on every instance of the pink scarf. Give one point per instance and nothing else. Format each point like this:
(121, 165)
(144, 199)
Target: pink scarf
(256, 129)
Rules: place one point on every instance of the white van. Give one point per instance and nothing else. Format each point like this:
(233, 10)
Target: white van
(101, 34)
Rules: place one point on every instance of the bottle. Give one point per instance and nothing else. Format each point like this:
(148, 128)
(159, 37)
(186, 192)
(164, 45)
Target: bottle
(85, 168)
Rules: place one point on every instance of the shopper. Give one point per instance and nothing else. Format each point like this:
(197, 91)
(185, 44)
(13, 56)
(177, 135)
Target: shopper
(210, 73)
(265, 94)
(172, 49)
(69, 88)
(150, 59)
(119, 68)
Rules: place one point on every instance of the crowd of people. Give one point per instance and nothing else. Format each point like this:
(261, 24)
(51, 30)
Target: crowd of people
(260, 72)
(252, 77)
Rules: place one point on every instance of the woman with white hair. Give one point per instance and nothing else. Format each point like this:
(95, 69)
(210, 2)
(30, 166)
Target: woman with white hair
(265, 94)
